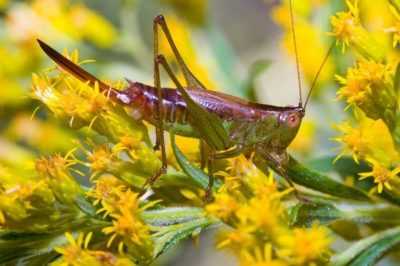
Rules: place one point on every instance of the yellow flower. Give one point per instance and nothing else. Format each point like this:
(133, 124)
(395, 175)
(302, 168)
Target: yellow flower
(224, 206)
(237, 239)
(265, 214)
(107, 191)
(76, 253)
(369, 86)
(305, 245)
(57, 173)
(348, 31)
(101, 158)
(128, 226)
(382, 175)
(261, 257)
(345, 24)
(370, 139)
(353, 141)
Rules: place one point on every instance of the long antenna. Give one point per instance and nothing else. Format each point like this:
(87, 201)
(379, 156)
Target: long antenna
(296, 52)
(318, 73)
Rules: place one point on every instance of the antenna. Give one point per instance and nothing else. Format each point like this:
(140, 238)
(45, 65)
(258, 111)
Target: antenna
(318, 73)
(296, 52)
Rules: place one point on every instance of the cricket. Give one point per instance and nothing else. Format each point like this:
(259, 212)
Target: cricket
(225, 125)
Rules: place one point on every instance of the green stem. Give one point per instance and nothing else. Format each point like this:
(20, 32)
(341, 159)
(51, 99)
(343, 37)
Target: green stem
(301, 175)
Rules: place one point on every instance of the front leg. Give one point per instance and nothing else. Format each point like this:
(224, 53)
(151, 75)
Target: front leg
(279, 162)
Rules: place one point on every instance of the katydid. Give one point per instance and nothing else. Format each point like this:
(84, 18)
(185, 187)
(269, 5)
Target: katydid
(226, 125)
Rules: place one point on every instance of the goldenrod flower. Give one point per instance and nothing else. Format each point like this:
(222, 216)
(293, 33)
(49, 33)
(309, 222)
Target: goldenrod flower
(107, 191)
(237, 239)
(101, 159)
(369, 139)
(348, 31)
(264, 213)
(56, 171)
(76, 253)
(224, 206)
(382, 175)
(305, 245)
(261, 257)
(128, 226)
(369, 86)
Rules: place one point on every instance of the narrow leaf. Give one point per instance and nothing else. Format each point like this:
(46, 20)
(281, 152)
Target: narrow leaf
(192, 171)
(172, 215)
(170, 236)
(322, 183)
(306, 214)
(368, 250)
(301, 175)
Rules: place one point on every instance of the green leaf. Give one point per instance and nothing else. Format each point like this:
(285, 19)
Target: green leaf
(306, 214)
(209, 125)
(301, 175)
(85, 205)
(172, 215)
(368, 250)
(169, 236)
(195, 173)
(322, 183)
(28, 248)
(346, 166)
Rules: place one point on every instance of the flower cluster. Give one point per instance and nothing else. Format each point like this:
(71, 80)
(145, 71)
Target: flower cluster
(261, 234)
(370, 88)
(38, 200)
(76, 253)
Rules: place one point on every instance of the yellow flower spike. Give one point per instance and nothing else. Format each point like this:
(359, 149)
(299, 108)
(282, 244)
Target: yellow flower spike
(305, 246)
(55, 170)
(382, 175)
(369, 85)
(265, 214)
(236, 239)
(107, 191)
(261, 257)
(100, 158)
(348, 31)
(77, 253)
(353, 142)
(129, 227)
(224, 206)
(370, 139)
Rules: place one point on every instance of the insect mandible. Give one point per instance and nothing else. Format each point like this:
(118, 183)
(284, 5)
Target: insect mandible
(226, 125)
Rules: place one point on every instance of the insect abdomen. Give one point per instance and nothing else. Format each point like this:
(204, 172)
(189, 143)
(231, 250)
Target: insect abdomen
(145, 99)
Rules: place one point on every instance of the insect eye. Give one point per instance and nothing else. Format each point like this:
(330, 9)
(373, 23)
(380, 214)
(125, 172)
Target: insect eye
(293, 120)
